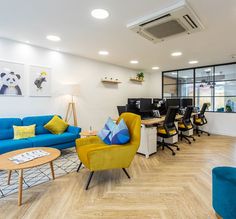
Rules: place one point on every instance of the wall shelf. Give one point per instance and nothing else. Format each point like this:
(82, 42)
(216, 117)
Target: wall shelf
(136, 80)
(111, 81)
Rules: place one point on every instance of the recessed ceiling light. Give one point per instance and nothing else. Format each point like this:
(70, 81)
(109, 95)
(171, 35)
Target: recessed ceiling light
(134, 62)
(155, 68)
(176, 54)
(193, 62)
(100, 13)
(53, 38)
(103, 53)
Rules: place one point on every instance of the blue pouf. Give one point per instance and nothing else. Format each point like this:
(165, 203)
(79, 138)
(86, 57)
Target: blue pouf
(224, 191)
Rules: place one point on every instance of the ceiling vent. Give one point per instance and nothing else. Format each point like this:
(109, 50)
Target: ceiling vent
(169, 22)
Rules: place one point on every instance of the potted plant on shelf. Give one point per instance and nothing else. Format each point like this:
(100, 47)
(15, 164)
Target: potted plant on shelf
(140, 76)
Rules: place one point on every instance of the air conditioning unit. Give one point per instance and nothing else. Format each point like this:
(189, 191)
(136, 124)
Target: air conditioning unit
(169, 22)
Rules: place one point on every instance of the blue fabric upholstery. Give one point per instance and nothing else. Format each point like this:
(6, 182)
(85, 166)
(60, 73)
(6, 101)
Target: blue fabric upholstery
(224, 191)
(11, 145)
(51, 139)
(6, 127)
(43, 136)
(40, 121)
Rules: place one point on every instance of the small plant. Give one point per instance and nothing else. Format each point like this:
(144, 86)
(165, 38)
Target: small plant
(140, 75)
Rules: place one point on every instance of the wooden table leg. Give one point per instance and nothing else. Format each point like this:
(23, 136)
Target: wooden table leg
(9, 177)
(20, 187)
(52, 170)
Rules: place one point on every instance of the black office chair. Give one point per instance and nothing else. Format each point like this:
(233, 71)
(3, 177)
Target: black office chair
(186, 125)
(200, 120)
(121, 109)
(168, 129)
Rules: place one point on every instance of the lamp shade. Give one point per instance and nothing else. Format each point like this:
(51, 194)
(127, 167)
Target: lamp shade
(71, 89)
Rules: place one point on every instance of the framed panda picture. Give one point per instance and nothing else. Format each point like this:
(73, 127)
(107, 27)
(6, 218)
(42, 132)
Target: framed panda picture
(11, 78)
(39, 81)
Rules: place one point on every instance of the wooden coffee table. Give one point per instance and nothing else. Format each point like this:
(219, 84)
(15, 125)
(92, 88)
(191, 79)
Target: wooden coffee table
(6, 164)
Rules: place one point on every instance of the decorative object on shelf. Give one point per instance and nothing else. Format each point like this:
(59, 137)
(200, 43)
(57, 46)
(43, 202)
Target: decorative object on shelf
(73, 91)
(208, 82)
(11, 78)
(111, 80)
(40, 81)
(136, 80)
(140, 76)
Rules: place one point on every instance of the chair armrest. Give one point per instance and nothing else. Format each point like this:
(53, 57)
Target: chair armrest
(74, 130)
(88, 140)
(111, 157)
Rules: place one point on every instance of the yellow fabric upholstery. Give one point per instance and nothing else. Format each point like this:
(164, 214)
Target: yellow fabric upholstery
(96, 155)
(198, 121)
(21, 132)
(56, 125)
(161, 130)
(182, 126)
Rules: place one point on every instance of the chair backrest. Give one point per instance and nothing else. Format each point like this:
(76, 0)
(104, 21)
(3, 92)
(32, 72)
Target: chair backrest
(170, 116)
(188, 114)
(121, 109)
(204, 107)
(133, 122)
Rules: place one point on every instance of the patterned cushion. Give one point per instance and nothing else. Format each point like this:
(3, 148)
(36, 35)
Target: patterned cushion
(114, 134)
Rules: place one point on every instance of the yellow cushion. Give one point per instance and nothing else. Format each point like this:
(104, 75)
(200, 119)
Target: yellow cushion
(163, 131)
(24, 131)
(181, 125)
(198, 120)
(56, 125)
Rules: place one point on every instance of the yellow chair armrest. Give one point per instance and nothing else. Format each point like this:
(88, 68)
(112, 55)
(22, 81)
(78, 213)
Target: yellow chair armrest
(88, 140)
(112, 157)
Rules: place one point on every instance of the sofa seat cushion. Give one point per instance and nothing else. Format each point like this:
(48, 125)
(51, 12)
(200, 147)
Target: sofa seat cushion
(11, 145)
(51, 139)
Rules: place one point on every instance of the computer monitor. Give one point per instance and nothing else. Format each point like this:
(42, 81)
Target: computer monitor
(146, 105)
(187, 102)
(172, 102)
(156, 102)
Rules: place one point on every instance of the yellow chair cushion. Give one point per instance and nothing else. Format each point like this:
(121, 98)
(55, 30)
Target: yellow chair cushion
(198, 120)
(181, 125)
(163, 131)
(24, 131)
(56, 125)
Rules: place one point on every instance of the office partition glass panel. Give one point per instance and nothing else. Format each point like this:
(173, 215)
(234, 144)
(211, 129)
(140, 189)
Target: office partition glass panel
(185, 76)
(170, 78)
(225, 104)
(170, 91)
(199, 101)
(185, 90)
(225, 72)
(205, 90)
(203, 75)
(225, 88)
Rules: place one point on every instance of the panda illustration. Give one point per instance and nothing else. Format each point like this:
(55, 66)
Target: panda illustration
(10, 84)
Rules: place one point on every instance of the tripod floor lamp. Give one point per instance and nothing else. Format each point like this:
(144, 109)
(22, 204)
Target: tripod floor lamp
(73, 91)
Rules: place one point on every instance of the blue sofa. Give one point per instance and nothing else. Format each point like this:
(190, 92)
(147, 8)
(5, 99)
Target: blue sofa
(43, 138)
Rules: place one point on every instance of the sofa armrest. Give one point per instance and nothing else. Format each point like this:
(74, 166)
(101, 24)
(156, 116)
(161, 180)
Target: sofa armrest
(74, 130)
(88, 140)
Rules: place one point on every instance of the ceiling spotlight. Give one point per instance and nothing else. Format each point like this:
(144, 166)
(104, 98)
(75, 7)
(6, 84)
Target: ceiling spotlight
(193, 62)
(176, 54)
(100, 13)
(155, 68)
(103, 53)
(134, 62)
(53, 38)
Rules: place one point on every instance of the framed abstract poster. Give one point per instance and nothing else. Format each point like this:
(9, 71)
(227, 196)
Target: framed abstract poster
(11, 78)
(39, 81)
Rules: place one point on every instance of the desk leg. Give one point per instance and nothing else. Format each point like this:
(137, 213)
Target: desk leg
(9, 177)
(20, 187)
(52, 170)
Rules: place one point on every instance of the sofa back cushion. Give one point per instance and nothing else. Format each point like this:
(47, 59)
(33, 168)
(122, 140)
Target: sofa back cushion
(6, 127)
(39, 121)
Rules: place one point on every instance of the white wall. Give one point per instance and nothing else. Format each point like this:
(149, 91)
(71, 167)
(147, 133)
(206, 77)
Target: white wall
(96, 101)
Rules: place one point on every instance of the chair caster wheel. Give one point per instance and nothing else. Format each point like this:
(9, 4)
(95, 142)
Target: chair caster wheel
(178, 149)
(173, 153)
(209, 134)
(199, 135)
(194, 139)
(189, 143)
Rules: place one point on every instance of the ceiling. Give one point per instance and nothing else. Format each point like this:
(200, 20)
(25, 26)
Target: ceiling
(81, 34)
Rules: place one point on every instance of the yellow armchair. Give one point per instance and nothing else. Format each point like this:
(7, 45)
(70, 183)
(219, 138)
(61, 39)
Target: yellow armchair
(96, 155)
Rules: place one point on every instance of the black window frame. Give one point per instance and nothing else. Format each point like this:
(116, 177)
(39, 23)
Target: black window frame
(194, 83)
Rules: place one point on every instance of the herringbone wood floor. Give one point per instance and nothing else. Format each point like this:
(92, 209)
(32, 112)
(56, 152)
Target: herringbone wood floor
(162, 186)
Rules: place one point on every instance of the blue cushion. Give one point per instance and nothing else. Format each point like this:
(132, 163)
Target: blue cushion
(51, 139)
(11, 145)
(40, 121)
(114, 134)
(224, 191)
(120, 133)
(6, 127)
